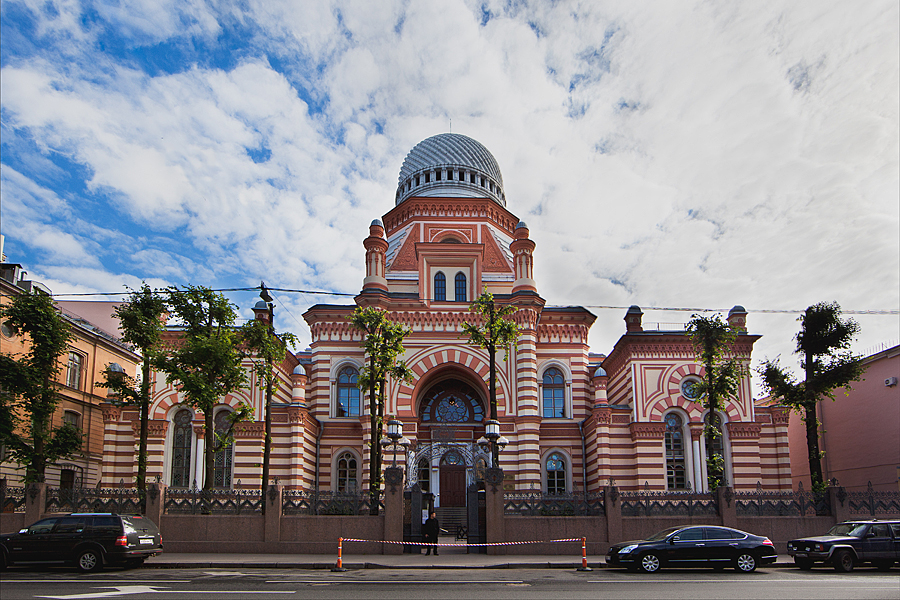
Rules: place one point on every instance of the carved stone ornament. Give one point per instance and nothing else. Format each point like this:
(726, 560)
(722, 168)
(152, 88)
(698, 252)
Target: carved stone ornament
(729, 495)
(273, 494)
(493, 477)
(393, 476)
(153, 492)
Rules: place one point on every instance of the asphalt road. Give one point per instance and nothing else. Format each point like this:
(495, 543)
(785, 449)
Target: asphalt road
(518, 584)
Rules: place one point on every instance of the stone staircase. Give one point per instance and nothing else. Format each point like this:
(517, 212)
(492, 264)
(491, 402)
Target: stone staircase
(451, 518)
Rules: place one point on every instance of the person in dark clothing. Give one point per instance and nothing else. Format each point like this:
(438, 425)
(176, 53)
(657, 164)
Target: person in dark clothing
(430, 531)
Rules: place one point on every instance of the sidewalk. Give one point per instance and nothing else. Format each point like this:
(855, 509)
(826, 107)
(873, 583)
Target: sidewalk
(389, 561)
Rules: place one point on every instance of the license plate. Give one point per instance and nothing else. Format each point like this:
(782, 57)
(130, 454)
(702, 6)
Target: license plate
(150, 541)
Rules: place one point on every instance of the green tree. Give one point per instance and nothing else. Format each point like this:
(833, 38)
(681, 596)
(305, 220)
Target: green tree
(141, 319)
(713, 340)
(494, 330)
(823, 344)
(205, 361)
(383, 343)
(28, 388)
(265, 348)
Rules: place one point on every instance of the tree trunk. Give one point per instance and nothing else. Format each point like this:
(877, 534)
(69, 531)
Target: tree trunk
(812, 422)
(141, 480)
(374, 447)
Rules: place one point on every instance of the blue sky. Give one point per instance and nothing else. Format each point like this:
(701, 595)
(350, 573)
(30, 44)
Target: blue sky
(670, 154)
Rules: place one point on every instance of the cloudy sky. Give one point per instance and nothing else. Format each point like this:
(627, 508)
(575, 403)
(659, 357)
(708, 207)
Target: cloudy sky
(671, 154)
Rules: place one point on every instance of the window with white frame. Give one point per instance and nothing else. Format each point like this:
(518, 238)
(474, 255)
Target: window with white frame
(73, 371)
(440, 287)
(182, 442)
(676, 476)
(461, 287)
(556, 467)
(346, 471)
(222, 460)
(347, 404)
(553, 391)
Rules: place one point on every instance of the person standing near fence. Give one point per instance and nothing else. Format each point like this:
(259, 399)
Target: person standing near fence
(430, 531)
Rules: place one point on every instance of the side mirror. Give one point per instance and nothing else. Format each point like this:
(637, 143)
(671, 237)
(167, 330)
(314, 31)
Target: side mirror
(23, 530)
(673, 539)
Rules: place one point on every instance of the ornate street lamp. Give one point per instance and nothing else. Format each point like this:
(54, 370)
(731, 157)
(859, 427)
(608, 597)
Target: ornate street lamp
(492, 438)
(395, 438)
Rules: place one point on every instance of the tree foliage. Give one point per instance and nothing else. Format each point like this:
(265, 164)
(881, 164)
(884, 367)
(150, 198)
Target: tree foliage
(383, 343)
(205, 361)
(265, 349)
(494, 330)
(823, 344)
(28, 388)
(713, 340)
(141, 319)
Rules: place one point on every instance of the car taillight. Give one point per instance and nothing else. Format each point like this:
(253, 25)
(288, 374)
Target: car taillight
(121, 541)
(767, 542)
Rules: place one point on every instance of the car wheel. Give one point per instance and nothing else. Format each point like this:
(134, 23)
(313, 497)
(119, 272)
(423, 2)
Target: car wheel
(745, 562)
(649, 563)
(843, 561)
(3, 561)
(89, 561)
(804, 564)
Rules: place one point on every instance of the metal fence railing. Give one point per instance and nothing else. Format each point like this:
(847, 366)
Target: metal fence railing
(311, 502)
(649, 503)
(196, 501)
(872, 503)
(539, 504)
(109, 500)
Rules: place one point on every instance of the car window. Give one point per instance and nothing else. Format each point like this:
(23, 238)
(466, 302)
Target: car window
(851, 529)
(141, 524)
(661, 535)
(107, 525)
(690, 535)
(69, 525)
(43, 526)
(896, 528)
(721, 533)
(880, 530)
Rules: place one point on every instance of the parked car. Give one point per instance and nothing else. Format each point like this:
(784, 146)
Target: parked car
(849, 544)
(694, 546)
(89, 540)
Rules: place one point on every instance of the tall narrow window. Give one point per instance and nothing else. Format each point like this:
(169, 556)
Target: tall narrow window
(346, 473)
(72, 418)
(556, 474)
(460, 287)
(347, 393)
(715, 450)
(423, 475)
(675, 474)
(182, 440)
(73, 374)
(554, 394)
(223, 458)
(440, 287)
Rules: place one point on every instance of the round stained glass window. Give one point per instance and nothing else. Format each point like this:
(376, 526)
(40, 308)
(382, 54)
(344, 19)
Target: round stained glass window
(689, 389)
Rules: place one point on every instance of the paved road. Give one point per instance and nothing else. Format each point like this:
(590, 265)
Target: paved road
(518, 584)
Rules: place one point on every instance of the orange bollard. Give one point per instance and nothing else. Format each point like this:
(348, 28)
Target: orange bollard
(340, 565)
(584, 566)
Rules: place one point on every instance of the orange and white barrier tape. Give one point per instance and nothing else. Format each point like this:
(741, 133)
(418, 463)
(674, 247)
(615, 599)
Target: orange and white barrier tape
(466, 545)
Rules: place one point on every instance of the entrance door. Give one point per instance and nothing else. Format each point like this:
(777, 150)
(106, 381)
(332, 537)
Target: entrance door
(453, 485)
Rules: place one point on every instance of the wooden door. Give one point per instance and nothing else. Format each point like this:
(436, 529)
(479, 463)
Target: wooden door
(453, 485)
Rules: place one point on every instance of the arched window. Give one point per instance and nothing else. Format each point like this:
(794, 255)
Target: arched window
(182, 440)
(452, 401)
(480, 466)
(346, 473)
(715, 450)
(440, 287)
(556, 474)
(675, 473)
(347, 393)
(554, 393)
(223, 458)
(423, 475)
(461, 287)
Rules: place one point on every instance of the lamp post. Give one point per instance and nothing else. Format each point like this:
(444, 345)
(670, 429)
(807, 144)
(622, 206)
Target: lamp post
(492, 441)
(395, 438)
(264, 294)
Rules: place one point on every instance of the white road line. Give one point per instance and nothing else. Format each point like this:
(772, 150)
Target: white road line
(127, 590)
(394, 581)
(98, 581)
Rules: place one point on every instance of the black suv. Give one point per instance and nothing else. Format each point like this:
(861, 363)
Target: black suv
(848, 544)
(90, 540)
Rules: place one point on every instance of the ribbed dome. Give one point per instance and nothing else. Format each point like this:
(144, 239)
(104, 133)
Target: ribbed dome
(450, 165)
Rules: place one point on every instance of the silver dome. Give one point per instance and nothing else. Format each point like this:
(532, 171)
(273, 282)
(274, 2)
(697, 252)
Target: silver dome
(450, 165)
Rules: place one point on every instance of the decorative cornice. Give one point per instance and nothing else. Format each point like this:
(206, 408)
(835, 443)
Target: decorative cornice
(743, 430)
(603, 415)
(648, 430)
(156, 428)
(255, 429)
(110, 413)
(621, 419)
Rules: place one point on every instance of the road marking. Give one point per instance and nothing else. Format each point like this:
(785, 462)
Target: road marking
(395, 581)
(126, 590)
(96, 581)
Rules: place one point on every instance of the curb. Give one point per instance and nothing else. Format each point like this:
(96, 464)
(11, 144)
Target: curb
(375, 565)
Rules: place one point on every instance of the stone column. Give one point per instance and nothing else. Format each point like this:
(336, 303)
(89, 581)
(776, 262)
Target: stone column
(494, 513)
(613, 514)
(273, 514)
(840, 507)
(727, 506)
(35, 502)
(393, 510)
(156, 498)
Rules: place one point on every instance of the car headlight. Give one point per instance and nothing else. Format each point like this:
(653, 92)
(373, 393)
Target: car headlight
(628, 549)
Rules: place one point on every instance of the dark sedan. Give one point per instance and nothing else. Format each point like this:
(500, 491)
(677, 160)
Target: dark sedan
(694, 546)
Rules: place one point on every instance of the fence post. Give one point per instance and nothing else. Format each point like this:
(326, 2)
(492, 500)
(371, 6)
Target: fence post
(613, 514)
(840, 506)
(35, 502)
(2, 494)
(156, 498)
(274, 511)
(494, 510)
(727, 506)
(393, 510)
